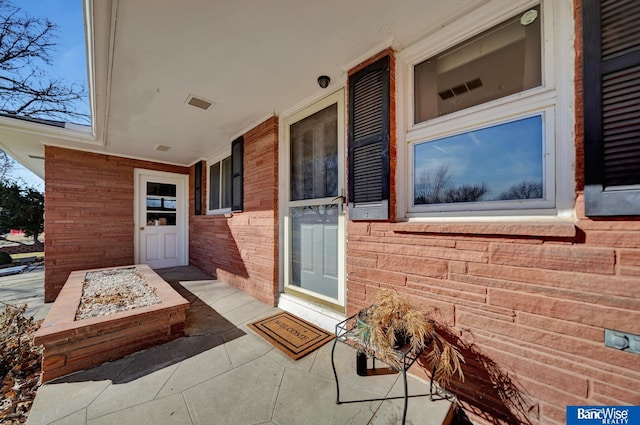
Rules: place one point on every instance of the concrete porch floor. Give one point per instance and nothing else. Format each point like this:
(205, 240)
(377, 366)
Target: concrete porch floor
(222, 373)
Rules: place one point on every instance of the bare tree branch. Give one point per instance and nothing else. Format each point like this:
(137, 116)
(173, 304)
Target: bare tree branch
(6, 165)
(27, 47)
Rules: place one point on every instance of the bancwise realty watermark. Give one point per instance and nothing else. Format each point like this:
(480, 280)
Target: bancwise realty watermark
(603, 415)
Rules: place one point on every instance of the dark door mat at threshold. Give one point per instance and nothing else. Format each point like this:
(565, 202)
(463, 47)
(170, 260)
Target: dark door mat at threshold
(292, 335)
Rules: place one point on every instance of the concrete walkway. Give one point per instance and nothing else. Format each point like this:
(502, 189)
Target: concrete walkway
(26, 288)
(223, 373)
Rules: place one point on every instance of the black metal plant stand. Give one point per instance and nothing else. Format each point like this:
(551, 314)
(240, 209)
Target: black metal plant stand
(347, 333)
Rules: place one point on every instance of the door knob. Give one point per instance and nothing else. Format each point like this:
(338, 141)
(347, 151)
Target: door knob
(141, 228)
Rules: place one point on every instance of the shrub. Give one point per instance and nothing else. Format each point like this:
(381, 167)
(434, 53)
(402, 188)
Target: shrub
(5, 258)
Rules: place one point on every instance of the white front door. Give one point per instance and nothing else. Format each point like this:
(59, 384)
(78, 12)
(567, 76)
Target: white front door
(313, 219)
(161, 218)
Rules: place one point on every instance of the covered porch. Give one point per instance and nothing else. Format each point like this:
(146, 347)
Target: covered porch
(222, 372)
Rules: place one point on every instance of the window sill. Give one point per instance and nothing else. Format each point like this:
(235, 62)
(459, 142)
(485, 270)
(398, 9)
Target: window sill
(543, 229)
(225, 212)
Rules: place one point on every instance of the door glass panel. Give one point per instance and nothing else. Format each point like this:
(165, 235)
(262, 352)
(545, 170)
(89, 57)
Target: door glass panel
(161, 189)
(314, 245)
(314, 147)
(161, 204)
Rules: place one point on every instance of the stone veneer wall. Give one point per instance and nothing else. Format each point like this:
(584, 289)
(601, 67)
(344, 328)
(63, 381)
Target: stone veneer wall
(241, 248)
(530, 301)
(89, 219)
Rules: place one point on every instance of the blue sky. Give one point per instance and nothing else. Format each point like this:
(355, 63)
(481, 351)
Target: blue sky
(69, 57)
(499, 156)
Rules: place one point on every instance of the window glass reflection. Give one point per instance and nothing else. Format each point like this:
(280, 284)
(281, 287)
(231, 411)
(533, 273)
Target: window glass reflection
(161, 219)
(498, 163)
(501, 61)
(161, 189)
(314, 155)
(161, 204)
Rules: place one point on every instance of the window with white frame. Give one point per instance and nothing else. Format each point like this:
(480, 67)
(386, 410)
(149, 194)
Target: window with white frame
(219, 194)
(481, 132)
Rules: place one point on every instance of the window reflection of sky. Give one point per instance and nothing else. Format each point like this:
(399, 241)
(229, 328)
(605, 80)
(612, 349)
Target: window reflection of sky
(161, 204)
(499, 156)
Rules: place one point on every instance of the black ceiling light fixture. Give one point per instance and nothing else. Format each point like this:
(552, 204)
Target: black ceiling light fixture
(323, 81)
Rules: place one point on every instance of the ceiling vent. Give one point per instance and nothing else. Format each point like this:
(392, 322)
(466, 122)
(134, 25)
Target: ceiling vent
(461, 89)
(198, 102)
(162, 148)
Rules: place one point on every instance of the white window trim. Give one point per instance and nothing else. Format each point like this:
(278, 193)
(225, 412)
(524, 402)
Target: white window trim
(554, 98)
(211, 161)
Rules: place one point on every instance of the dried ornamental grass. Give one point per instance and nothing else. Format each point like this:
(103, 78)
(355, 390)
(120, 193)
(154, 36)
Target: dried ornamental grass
(447, 358)
(393, 323)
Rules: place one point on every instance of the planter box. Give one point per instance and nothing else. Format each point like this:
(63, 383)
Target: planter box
(71, 345)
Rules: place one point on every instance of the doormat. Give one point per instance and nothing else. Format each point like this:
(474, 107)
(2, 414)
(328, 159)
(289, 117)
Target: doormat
(292, 335)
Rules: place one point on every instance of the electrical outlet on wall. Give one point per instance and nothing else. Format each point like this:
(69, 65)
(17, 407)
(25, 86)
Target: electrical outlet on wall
(622, 341)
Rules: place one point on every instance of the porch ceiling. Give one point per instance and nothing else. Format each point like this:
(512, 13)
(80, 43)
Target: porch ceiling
(251, 58)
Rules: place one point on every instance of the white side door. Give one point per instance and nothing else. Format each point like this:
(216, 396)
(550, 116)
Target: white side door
(161, 219)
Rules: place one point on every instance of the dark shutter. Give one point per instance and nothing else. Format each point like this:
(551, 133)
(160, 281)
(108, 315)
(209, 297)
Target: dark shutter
(237, 170)
(197, 188)
(611, 107)
(369, 142)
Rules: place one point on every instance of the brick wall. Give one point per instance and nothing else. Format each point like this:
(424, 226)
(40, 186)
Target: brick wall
(89, 212)
(241, 248)
(528, 303)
